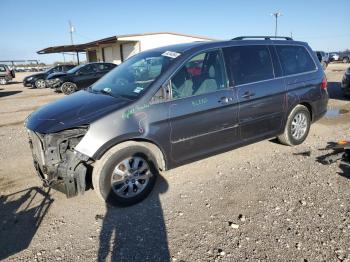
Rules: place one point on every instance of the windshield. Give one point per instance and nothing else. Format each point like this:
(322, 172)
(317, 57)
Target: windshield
(50, 70)
(132, 78)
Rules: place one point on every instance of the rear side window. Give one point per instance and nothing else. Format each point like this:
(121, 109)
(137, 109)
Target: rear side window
(2, 69)
(295, 59)
(247, 64)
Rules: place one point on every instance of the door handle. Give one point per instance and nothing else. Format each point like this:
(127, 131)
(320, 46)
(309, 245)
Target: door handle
(225, 100)
(248, 95)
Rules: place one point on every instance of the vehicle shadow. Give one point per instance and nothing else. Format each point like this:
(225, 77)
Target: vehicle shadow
(338, 154)
(334, 91)
(345, 167)
(21, 214)
(14, 82)
(136, 233)
(9, 93)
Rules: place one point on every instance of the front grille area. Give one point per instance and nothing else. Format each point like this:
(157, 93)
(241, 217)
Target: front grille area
(56, 161)
(37, 147)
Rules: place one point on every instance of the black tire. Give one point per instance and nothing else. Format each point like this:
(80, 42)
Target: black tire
(68, 88)
(40, 83)
(345, 60)
(287, 137)
(104, 169)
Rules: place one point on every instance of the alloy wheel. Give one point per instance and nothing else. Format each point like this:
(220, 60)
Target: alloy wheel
(130, 177)
(299, 126)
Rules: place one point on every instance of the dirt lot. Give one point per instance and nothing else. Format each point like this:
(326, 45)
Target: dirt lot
(262, 202)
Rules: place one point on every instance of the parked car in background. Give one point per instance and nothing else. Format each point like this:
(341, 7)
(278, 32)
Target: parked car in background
(145, 117)
(333, 57)
(38, 80)
(323, 57)
(345, 84)
(79, 77)
(344, 56)
(6, 74)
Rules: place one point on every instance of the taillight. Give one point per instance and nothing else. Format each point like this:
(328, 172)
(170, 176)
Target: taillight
(324, 82)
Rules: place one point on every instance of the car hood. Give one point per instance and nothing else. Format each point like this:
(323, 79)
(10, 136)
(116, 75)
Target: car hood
(55, 75)
(38, 75)
(81, 108)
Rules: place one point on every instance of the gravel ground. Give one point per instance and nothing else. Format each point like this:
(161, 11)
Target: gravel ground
(262, 202)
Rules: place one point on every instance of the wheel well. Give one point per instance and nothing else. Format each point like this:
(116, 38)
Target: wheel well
(156, 150)
(150, 145)
(308, 106)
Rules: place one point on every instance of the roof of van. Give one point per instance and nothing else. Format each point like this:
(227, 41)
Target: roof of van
(181, 48)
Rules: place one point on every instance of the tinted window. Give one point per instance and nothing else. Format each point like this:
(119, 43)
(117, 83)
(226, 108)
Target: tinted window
(295, 59)
(202, 74)
(247, 64)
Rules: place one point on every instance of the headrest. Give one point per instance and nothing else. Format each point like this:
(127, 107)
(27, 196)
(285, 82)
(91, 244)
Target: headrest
(211, 72)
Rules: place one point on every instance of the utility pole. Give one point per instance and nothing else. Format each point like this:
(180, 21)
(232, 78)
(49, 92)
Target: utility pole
(276, 15)
(71, 31)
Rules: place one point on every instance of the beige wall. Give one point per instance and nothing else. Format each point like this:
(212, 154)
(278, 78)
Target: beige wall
(115, 52)
(142, 43)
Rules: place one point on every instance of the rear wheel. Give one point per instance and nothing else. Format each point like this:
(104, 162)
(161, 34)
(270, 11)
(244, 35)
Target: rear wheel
(297, 126)
(68, 88)
(40, 83)
(125, 176)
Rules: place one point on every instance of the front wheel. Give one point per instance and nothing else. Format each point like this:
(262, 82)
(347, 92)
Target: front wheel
(125, 176)
(346, 60)
(297, 126)
(40, 83)
(68, 88)
(3, 81)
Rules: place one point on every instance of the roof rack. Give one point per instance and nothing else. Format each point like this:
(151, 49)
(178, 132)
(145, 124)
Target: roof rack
(264, 37)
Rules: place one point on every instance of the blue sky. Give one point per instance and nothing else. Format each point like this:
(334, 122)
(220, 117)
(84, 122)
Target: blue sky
(35, 24)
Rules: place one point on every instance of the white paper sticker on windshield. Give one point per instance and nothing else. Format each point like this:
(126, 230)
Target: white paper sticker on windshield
(171, 54)
(138, 89)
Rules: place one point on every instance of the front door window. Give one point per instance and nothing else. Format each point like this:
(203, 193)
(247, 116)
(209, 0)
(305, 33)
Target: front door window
(204, 73)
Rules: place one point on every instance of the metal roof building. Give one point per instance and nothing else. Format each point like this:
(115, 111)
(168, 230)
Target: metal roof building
(117, 48)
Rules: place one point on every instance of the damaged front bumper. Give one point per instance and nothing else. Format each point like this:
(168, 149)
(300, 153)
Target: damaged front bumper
(57, 163)
(54, 83)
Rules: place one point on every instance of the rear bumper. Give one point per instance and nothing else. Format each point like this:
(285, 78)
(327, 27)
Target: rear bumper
(319, 108)
(345, 84)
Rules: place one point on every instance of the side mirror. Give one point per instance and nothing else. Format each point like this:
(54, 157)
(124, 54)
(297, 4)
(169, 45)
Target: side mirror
(163, 94)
